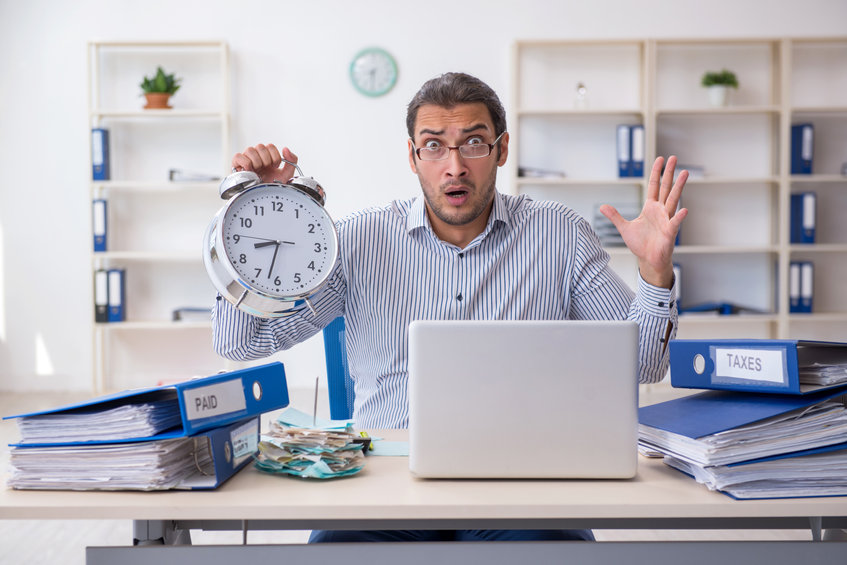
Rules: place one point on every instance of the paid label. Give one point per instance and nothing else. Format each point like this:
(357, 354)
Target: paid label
(214, 400)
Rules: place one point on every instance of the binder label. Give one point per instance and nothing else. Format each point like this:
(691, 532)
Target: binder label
(752, 365)
(245, 441)
(214, 400)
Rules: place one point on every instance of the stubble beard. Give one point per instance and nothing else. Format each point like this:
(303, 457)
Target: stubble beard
(442, 210)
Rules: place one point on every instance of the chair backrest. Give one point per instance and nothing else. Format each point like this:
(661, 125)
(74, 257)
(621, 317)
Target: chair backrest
(339, 383)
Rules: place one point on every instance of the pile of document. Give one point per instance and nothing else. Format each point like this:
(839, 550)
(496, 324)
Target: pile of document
(150, 465)
(765, 433)
(309, 452)
(190, 435)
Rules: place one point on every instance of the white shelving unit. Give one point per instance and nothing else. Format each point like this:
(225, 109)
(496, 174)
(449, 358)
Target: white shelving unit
(735, 245)
(155, 225)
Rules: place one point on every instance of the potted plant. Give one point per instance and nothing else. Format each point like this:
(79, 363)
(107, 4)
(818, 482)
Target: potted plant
(718, 84)
(159, 88)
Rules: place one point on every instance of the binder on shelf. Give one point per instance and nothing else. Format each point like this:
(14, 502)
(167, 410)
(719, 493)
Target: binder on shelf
(794, 287)
(677, 275)
(803, 217)
(200, 462)
(624, 151)
(777, 366)
(802, 148)
(101, 296)
(807, 286)
(637, 150)
(117, 295)
(100, 169)
(99, 225)
(161, 412)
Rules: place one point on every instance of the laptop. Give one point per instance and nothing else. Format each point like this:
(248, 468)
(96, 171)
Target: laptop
(523, 399)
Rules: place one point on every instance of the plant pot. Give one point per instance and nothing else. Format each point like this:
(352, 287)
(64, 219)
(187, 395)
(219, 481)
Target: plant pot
(718, 95)
(157, 100)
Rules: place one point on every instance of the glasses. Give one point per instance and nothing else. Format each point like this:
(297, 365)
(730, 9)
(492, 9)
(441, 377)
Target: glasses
(468, 150)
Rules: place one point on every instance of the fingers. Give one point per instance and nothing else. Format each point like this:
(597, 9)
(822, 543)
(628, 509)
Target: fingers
(265, 160)
(667, 179)
(653, 183)
(613, 215)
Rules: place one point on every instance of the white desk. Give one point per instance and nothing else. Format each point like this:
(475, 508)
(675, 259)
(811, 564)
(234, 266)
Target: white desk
(385, 496)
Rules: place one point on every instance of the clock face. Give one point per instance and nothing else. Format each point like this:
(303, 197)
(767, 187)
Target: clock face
(280, 241)
(373, 71)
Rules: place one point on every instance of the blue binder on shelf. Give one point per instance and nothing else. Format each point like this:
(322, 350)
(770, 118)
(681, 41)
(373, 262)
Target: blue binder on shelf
(803, 217)
(637, 150)
(100, 169)
(624, 148)
(197, 405)
(802, 148)
(117, 294)
(750, 365)
(98, 223)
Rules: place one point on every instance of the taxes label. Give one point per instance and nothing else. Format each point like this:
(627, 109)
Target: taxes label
(214, 400)
(756, 365)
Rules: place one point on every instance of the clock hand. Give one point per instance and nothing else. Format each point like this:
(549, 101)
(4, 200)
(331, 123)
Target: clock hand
(271, 242)
(265, 244)
(270, 270)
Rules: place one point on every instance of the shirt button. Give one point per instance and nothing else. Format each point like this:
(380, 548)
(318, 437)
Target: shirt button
(461, 255)
(459, 297)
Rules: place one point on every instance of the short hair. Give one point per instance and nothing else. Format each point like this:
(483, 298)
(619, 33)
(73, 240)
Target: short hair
(450, 90)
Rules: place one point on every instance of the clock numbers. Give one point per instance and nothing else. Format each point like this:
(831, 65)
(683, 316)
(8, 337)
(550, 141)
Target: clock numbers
(246, 222)
(277, 206)
(258, 210)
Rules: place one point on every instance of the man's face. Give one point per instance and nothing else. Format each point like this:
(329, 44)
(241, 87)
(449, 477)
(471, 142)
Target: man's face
(459, 191)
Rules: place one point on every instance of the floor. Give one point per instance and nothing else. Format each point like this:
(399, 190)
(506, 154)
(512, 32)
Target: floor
(34, 542)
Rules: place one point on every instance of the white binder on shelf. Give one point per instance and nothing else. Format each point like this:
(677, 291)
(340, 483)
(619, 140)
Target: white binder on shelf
(637, 151)
(101, 296)
(624, 151)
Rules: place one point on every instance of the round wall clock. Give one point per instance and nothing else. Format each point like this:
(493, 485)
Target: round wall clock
(373, 71)
(271, 246)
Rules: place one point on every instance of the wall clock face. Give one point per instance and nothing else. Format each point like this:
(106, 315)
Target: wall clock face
(373, 71)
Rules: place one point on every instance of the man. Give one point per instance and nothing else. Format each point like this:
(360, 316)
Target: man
(465, 251)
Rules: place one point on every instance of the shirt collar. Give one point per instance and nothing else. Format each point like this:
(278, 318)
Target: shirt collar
(417, 217)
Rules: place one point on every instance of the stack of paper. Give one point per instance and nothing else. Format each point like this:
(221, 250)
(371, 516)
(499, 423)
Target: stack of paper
(823, 374)
(126, 421)
(151, 465)
(753, 445)
(316, 454)
(193, 435)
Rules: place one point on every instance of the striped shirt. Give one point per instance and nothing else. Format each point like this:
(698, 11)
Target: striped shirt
(534, 261)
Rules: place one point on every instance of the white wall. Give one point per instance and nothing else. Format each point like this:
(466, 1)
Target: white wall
(290, 86)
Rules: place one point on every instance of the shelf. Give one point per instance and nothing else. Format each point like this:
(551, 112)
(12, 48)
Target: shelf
(819, 110)
(770, 109)
(732, 180)
(723, 249)
(818, 248)
(708, 318)
(565, 181)
(174, 113)
(797, 179)
(152, 325)
(153, 186)
(561, 112)
(147, 255)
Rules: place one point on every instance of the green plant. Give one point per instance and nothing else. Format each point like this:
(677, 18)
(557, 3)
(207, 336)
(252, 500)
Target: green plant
(724, 78)
(160, 82)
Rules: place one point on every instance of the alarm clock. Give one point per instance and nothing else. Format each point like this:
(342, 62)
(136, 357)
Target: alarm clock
(272, 245)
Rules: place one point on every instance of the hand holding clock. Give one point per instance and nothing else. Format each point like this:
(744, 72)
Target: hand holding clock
(264, 160)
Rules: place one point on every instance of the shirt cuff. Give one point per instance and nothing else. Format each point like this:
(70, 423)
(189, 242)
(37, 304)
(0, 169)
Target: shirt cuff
(655, 300)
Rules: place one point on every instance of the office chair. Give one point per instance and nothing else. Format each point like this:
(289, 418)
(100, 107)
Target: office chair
(339, 383)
